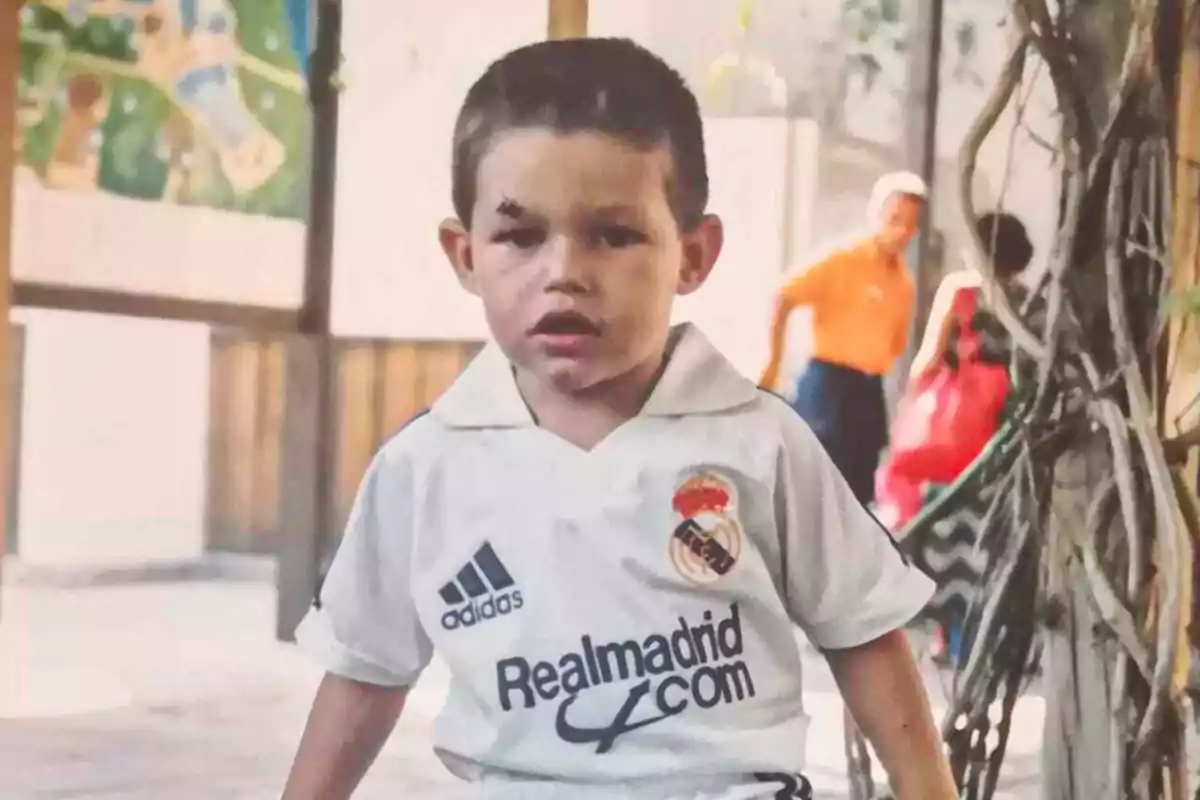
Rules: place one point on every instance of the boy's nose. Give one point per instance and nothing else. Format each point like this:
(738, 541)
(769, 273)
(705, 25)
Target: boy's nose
(567, 269)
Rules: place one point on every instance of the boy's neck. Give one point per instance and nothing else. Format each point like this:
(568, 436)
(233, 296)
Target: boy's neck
(587, 417)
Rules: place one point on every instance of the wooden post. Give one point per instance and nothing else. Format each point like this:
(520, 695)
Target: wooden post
(310, 426)
(10, 65)
(1184, 342)
(567, 19)
(1078, 755)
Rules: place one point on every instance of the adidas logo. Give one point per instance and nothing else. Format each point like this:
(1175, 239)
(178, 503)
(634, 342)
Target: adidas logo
(479, 592)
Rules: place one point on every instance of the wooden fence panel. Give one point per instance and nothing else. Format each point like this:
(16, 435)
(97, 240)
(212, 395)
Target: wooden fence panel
(401, 393)
(268, 445)
(244, 440)
(381, 384)
(389, 382)
(358, 422)
(442, 363)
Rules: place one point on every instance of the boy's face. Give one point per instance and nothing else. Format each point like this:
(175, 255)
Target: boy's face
(576, 254)
(899, 223)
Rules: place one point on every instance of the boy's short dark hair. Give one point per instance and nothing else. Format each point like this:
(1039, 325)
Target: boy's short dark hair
(611, 86)
(1006, 240)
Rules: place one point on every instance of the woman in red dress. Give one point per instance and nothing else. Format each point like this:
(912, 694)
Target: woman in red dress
(959, 382)
(957, 396)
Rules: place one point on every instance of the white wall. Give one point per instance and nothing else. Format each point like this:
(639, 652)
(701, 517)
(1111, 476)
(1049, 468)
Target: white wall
(101, 241)
(113, 438)
(749, 190)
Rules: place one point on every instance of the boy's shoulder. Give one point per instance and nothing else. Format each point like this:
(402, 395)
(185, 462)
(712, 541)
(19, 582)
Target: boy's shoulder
(791, 428)
(764, 417)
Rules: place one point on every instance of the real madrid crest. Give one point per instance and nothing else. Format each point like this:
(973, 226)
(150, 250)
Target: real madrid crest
(707, 539)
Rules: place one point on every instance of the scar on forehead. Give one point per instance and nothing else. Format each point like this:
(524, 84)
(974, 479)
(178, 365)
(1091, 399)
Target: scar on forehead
(507, 207)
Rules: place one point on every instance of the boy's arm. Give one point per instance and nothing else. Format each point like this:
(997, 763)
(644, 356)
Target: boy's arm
(804, 290)
(937, 329)
(347, 727)
(848, 587)
(365, 631)
(882, 687)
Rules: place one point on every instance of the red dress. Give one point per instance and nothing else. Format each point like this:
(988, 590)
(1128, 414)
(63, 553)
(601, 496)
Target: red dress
(944, 421)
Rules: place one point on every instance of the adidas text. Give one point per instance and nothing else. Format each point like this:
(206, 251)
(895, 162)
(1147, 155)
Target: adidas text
(477, 611)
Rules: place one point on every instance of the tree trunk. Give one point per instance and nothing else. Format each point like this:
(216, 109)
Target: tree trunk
(1078, 667)
(1182, 414)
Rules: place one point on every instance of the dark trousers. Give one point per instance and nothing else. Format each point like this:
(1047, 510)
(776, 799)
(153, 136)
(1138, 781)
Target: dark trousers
(845, 409)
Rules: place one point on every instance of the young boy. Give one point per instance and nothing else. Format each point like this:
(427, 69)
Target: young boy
(862, 301)
(603, 529)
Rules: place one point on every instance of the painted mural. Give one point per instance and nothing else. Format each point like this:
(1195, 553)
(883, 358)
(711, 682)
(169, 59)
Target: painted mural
(190, 102)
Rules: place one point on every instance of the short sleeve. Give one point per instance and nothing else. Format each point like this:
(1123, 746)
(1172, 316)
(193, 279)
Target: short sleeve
(363, 624)
(845, 581)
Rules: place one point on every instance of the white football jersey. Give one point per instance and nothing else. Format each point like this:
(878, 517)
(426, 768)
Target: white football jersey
(617, 623)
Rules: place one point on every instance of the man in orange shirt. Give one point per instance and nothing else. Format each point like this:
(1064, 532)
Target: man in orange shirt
(862, 299)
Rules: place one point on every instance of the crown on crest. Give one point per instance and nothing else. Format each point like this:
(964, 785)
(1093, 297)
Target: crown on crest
(700, 494)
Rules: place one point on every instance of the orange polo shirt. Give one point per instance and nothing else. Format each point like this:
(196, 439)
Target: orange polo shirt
(862, 302)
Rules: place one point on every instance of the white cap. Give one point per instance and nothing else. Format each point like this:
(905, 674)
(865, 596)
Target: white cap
(908, 183)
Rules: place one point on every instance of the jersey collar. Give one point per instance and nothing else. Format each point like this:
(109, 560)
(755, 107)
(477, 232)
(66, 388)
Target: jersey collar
(696, 380)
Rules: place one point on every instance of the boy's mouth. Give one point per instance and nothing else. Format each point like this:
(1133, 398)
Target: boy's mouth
(566, 334)
(565, 323)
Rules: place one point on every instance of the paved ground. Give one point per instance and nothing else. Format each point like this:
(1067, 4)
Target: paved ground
(174, 691)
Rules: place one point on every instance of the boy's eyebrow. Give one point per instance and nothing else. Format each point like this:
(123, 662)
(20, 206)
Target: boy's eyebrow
(511, 209)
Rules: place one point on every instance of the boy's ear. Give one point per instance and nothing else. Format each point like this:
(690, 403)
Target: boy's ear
(701, 247)
(456, 244)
